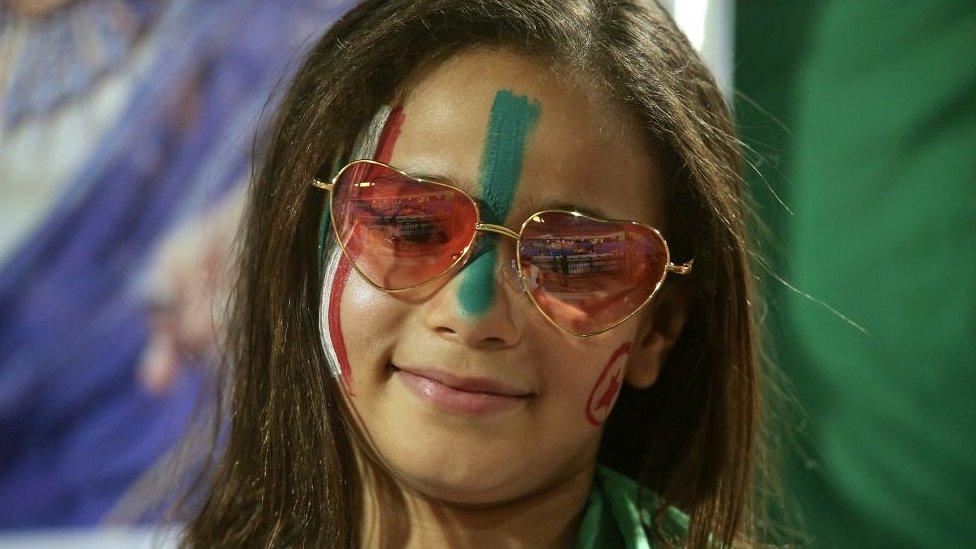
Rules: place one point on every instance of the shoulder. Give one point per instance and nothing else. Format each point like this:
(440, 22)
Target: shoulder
(620, 512)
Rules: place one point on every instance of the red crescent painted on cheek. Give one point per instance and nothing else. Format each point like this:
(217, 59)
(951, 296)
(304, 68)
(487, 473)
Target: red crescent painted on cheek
(607, 387)
(384, 151)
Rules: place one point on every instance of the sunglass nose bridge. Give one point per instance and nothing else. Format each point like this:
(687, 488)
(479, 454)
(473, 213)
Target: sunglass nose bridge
(497, 229)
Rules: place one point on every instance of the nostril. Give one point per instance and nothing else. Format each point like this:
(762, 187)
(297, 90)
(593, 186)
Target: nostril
(444, 330)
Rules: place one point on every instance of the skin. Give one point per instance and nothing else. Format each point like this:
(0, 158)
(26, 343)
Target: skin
(519, 477)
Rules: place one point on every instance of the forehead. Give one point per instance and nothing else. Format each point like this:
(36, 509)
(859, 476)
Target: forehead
(578, 149)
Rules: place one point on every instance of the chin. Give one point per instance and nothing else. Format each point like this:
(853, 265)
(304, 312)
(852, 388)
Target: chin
(462, 479)
(461, 492)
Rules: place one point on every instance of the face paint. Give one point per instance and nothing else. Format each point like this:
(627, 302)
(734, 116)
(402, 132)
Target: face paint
(330, 325)
(376, 141)
(391, 132)
(512, 119)
(607, 387)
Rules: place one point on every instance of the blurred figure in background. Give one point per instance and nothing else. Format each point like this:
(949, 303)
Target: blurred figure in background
(136, 119)
(867, 121)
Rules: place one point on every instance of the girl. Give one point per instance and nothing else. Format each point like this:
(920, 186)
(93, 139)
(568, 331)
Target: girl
(478, 228)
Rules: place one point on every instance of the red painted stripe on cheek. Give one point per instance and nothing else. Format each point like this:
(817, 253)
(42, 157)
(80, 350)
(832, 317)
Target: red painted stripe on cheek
(335, 329)
(607, 387)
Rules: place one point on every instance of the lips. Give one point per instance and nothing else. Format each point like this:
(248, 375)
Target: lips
(461, 395)
(466, 384)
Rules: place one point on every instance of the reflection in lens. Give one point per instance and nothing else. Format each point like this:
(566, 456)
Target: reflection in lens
(588, 274)
(398, 231)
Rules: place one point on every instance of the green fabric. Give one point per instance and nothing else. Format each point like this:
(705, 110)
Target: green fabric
(613, 517)
(882, 179)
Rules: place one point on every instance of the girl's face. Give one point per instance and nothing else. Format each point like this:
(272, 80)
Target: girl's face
(464, 390)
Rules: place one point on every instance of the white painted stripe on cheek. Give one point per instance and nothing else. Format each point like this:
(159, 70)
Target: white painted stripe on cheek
(332, 264)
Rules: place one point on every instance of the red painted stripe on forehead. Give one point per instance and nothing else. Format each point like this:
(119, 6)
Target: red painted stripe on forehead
(391, 131)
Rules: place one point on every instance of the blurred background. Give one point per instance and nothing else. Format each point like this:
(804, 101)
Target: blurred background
(125, 136)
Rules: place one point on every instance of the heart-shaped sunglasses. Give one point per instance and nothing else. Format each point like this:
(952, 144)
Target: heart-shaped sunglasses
(584, 274)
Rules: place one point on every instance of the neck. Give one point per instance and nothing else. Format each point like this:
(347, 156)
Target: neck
(549, 518)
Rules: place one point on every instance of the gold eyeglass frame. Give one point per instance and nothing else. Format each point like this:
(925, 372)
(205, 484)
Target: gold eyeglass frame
(680, 269)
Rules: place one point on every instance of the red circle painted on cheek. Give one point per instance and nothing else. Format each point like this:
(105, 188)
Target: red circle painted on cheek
(607, 387)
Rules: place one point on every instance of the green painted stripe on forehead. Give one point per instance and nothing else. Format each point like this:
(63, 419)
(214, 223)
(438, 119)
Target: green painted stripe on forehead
(511, 121)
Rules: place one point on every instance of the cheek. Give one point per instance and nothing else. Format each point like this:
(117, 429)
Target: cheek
(369, 316)
(584, 380)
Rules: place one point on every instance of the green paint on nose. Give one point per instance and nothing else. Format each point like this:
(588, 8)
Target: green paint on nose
(477, 288)
(512, 119)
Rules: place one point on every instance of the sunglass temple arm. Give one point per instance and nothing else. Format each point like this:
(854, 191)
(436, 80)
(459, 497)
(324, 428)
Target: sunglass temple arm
(681, 269)
(322, 184)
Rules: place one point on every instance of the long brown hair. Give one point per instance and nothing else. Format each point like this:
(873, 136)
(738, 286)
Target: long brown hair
(287, 471)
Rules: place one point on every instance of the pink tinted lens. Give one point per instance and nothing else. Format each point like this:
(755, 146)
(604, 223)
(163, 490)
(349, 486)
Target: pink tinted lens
(398, 231)
(588, 275)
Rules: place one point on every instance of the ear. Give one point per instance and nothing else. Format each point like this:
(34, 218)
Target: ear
(657, 335)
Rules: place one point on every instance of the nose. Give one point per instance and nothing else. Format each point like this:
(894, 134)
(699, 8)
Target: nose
(476, 306)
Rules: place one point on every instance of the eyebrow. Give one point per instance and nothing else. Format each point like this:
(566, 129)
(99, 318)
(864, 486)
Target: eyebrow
(533, 205)
(541, 205)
